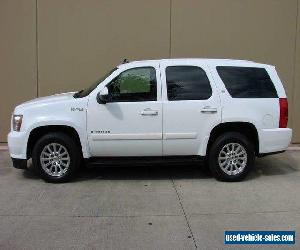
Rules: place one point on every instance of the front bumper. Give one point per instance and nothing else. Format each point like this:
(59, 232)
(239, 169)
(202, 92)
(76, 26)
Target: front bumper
(17, 144)
(19, 163)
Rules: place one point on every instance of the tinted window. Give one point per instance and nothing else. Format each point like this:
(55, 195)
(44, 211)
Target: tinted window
(134, 85)
(187, 83)
(245, 82)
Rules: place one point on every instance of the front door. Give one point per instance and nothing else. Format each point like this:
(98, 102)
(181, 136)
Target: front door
(130, 123)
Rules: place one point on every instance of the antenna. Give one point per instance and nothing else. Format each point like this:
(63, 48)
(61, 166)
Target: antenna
(125, 61)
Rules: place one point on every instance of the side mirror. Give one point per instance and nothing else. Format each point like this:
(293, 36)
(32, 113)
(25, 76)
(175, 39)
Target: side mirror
(103, 96)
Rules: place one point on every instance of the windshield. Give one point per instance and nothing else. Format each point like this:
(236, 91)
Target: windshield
(87, 91)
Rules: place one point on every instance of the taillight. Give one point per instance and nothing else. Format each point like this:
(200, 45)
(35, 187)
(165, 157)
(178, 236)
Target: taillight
(284, 112)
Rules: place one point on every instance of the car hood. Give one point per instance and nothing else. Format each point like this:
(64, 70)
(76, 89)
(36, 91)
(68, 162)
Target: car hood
(47, 100)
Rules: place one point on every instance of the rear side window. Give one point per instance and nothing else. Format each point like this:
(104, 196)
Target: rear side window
(187, 83)
(247, 82)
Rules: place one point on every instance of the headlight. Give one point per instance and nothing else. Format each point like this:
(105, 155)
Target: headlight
(17, 122)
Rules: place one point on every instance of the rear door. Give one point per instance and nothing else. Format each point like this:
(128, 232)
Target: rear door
(191, 107)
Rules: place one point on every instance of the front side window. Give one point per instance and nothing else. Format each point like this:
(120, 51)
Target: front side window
(247, 82)
(134, 85)
(187, 83)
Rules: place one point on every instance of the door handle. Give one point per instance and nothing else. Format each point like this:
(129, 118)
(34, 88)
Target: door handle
(149, 112)
(209, 110)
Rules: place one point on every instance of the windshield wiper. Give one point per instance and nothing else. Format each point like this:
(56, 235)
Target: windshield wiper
(77, 94)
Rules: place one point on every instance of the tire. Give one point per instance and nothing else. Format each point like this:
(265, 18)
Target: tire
(60, 167)
(231, 157)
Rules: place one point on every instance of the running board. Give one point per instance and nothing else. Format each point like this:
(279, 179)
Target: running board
(129, 161)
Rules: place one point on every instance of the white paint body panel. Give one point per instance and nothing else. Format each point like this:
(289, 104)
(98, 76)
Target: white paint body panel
(130, 132)
(179, 128)
(45, 111)
(185, 127)
(263, 113)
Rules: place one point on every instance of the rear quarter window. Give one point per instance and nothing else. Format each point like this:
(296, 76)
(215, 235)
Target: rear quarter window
(247, 82)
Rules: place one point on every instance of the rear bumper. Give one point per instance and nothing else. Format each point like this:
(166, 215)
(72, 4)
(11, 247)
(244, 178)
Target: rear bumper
(274, 140)
(19, 163)
(271, 153)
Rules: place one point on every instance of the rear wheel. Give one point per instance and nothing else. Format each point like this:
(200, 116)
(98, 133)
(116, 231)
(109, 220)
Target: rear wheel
(231, 157)
(56, 157)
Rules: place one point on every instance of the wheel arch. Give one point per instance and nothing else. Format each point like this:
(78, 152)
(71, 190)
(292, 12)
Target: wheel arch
(246, 128)
(38, 132)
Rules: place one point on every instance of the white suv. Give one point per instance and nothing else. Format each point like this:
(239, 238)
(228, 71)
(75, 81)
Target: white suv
(224, 111)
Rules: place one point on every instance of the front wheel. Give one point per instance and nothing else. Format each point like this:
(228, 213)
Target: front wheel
(231, 157)
(56, 157)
